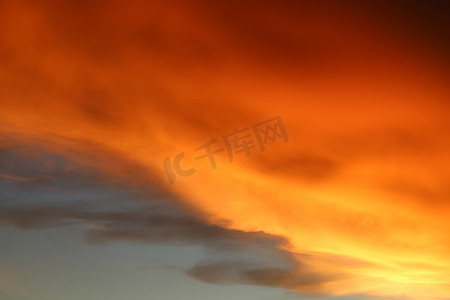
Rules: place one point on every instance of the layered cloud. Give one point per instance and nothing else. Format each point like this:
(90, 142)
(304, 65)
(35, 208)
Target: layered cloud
(42, 190)
(96, 96)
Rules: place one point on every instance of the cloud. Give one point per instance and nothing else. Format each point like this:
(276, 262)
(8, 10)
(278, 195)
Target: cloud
(91, 94)
(310, 167)
(113, 213)
(244, 272)
(233, 256)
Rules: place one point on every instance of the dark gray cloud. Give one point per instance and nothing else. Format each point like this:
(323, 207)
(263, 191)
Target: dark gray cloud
(43, 189)
(232, 256)
(294, 278)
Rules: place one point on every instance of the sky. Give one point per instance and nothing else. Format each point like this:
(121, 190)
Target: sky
(257, 150)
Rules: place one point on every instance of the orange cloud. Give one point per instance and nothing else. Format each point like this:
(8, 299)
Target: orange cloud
(361, 186)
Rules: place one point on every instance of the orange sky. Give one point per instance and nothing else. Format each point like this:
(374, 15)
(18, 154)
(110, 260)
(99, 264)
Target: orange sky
(362, 185)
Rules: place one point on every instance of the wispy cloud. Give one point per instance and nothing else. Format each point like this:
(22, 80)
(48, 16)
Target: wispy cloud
(92, 94)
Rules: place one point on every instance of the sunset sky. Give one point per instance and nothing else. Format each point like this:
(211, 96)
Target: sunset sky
(328, 130)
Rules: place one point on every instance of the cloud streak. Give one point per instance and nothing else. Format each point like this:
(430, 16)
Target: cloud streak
(93, 94)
